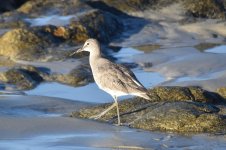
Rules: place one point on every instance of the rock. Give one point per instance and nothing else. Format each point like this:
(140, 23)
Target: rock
(125, 6)
(148, 47)
(213, 9)
(171, 112)
(97, 24)
(39, 43)
(6, 62)
(163, 116)
(77, 77)
(222, 91)
(176, 93)
(21, 44)
(23, 77)
(203, 46)
(13, 24)
(43, 7)
(10, 5)
(180, 117)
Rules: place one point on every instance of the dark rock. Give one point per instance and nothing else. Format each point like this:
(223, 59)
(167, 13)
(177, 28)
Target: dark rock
(96, 24)
(176, 93)
(171, 112)
(23, 77)
(22, 44)
(148, 47)
(10, 5)
(38, 43)
(222, 91)
(205, 8)
(43, 7)
(203, 46)
(180, 117)
(77, 77)
(117, 7)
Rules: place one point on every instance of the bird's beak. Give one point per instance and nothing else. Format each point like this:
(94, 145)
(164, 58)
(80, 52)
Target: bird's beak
(79, 50)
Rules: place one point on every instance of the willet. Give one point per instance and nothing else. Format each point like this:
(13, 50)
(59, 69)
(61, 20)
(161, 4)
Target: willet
(114, 79)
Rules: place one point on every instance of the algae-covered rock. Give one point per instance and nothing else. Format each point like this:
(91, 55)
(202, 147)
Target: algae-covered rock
(129, 5)
(222, 91)
(205, 8)
(97, 24)
(10, 5)
(76, 77)
(24, 78)
(21, 43)
(177, 112)
(43, 7)
(164, 116)
(177, 93)
(180, 117)
(35, 43)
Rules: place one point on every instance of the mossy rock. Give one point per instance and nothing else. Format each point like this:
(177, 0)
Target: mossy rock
(164, 116)
(128, 5)
(204, 46)
(76, 77)
(181, 117)
(205, 8)
(20, 42)
(42, 7)
(177, 109)
(177, 93)
(32, 43)
(97, 24)
(222, 91)
(24, 78)
(10, 5)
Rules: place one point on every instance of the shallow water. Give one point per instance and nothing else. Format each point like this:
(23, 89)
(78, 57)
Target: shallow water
(218, 49)
(66, 133)
(90, 92)
(125, 55)
(51, 20)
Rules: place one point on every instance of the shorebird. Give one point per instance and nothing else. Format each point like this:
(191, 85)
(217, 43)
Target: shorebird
(113, 78)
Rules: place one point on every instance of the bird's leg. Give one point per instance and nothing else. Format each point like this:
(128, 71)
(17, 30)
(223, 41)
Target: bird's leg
(104, 112)
(116, 102)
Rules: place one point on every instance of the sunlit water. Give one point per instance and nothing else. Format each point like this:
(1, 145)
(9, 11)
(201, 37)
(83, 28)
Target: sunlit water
(94, 136)
(90, 92)
(50, 20)
(218, 49)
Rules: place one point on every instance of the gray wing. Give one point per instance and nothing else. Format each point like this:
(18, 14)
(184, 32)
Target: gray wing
(118, 77)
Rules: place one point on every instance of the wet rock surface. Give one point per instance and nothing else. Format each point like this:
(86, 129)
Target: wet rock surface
(76, 77)
(205, 8)
(22, 77)
(10, 5)
(177, 109)
(28, 77)
(222, 91)
(36, 43)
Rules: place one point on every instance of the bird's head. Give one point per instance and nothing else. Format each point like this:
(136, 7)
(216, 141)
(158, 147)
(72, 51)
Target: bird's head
(91, 45)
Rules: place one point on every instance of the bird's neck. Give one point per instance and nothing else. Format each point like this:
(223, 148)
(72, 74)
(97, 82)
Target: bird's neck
(94, 56)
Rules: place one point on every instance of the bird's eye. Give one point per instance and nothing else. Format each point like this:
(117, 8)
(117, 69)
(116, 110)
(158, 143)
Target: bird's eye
(87, 44)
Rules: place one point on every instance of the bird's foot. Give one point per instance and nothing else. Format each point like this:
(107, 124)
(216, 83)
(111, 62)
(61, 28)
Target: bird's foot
(118, 124)
(121, 124)
(95, 117)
